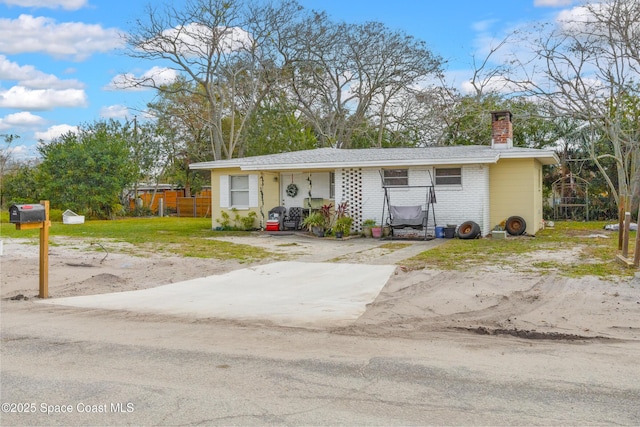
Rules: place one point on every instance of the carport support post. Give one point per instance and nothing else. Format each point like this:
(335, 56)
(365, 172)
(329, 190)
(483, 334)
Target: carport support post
(44, 252)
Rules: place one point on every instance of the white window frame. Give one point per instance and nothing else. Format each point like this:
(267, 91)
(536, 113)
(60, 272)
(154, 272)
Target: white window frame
(239, 190)
(448, 176)
(393, 181)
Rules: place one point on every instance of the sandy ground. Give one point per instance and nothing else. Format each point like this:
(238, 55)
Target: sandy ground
(413, 304)
(492, 346)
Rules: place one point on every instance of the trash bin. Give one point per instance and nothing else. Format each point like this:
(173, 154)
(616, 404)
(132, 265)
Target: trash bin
(449, 232)
(439, 232)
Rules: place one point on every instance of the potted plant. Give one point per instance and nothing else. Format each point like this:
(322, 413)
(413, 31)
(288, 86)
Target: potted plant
(342, 226)
(315, 223)
(376, 231)
(367, 224)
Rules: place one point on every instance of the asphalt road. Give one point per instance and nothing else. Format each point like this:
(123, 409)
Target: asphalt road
(75, 367)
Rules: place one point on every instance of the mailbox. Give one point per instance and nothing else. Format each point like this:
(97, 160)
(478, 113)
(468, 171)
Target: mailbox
(25, 214)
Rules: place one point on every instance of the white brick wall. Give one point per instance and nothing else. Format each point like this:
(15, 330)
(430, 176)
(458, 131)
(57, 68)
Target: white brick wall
(372, 195)
(469, 202)
(454, 204)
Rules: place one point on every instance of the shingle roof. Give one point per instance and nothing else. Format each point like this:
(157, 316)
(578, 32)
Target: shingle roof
(379, 157)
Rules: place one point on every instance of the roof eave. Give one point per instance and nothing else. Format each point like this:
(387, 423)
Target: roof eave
(360, 164)
(545, 157)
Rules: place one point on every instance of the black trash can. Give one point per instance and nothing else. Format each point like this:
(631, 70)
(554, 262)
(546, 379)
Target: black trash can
(449, 232)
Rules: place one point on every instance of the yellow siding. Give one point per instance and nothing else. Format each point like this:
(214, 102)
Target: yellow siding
(266, 182)
(516, 189)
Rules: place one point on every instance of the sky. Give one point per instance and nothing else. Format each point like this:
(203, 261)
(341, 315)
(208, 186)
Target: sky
(59, 58)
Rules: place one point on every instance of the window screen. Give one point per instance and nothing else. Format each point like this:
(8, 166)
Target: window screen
(396, 177)
(449, 176)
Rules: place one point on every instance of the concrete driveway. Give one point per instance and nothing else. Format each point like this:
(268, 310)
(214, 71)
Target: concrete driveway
(300, 294)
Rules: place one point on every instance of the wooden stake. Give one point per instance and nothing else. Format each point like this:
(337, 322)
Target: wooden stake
(636, 255)
(621, 221)
(44, 252)
(625, 236)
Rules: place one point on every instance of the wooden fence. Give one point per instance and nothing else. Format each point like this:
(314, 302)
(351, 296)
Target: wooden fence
(196, 207)
(171, 202)
(170, 197)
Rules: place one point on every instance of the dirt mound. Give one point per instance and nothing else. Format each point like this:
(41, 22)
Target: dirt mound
(527, 306)
(103, 280)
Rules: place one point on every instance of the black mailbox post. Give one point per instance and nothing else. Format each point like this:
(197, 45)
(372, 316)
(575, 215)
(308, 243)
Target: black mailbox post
(26, 214)
(30, 217)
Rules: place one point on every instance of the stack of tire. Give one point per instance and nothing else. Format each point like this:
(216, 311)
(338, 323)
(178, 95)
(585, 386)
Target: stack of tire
(515, 226)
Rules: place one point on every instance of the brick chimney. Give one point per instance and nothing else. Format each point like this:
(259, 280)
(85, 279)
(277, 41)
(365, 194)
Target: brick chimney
(501, 130)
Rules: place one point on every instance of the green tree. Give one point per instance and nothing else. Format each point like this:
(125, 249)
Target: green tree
(469, 121)
(19, 184)
(88, 171)
(276, 129)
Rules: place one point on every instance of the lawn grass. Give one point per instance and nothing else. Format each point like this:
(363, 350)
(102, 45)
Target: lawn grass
(190, 237)
(193, 237)
(597, 255)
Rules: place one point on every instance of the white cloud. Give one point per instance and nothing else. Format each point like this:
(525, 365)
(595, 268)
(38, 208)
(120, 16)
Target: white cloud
(194, 40)
(155, 76)
(114, 112)
(575, 19)
(583, 21)
(496, 84)
(19, 151)
(23, 119)
(55, 132)
(482, 26)
(51, 4)
(552, 3)
(29, 77)
(23, 98)
(29, 34)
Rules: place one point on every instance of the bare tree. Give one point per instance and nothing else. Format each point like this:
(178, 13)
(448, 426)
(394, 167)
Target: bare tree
(586, 67)
(344, 76)
(221, 47)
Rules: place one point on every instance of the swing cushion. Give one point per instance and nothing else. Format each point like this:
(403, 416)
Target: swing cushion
(407, 216)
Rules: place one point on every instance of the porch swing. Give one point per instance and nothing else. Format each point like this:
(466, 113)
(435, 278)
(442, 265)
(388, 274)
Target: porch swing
(404, 220)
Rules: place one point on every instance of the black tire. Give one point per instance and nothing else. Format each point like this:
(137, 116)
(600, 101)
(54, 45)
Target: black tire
(515, 225)
(468, 230)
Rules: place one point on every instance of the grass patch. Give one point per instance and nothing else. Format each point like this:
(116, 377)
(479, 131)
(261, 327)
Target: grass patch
(190, 237)
(570, 248)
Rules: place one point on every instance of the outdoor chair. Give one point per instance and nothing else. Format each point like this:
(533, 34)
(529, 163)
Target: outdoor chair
(293, 220)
